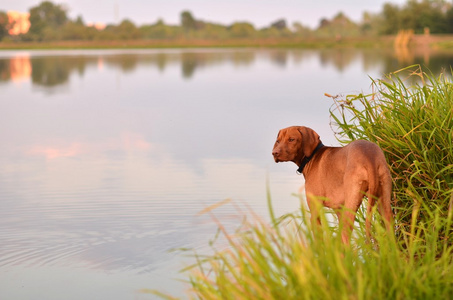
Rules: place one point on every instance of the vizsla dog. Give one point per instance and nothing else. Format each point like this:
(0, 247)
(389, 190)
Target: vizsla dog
(339, 177)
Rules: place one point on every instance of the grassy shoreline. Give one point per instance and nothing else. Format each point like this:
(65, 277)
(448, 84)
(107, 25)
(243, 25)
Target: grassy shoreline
(199, 43)
(444, 42)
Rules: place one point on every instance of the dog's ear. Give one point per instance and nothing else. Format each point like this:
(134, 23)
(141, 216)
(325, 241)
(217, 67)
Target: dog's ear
(310, 140)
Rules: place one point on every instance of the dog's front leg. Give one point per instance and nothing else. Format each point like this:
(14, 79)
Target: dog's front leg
(346, 221)
(315, 206)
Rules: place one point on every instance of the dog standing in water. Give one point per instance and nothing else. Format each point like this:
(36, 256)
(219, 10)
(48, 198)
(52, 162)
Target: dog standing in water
(339, 177)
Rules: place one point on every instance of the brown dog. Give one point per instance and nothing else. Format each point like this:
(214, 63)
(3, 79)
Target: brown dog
(339, 177)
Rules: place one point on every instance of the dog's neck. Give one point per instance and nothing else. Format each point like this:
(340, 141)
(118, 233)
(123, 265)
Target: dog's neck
(306, 159)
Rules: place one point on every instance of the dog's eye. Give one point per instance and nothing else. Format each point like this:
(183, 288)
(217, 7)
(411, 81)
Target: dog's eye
(291, 139)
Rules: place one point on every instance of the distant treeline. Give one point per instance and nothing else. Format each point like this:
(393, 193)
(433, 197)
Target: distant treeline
(50, 22)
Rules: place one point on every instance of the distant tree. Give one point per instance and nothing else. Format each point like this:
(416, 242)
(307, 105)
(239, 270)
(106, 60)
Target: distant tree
(339, 26)
(301, 30)
(208, 30)
(242, 30)
(79, 20)
(188, 22)
(416, 15)
(77, 31)
(160, 30)
(426, 14)
(108, 33)
(279, 24)
(323, 23)
(449, 19)
(4, 25)
(340, 21)
(275, 30)
(390, 19)
(160, 22)
(370, 23)
(46, 19)
(126, 30)
(407, 19)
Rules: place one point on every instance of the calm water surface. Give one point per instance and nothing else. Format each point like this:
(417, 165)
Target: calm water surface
(108, 156)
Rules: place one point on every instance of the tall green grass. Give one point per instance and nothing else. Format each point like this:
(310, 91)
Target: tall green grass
(410, 116)
(287, 259)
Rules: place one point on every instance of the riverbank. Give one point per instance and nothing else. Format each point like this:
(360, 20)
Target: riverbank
(365, 42)
(416, 41)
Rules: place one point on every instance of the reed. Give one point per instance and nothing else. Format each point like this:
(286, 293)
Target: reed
(410, 116)
(287, 259)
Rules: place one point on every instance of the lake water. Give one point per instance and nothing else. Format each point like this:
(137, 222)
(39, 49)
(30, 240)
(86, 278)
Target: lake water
(107, 156)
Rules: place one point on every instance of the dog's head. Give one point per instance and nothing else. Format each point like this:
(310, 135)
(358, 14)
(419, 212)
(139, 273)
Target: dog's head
(294, 143)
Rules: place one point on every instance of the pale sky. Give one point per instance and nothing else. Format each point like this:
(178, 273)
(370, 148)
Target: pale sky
(259, 12)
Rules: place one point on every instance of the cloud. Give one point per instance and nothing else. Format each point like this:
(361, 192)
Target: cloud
(56, 151)
(126, 142)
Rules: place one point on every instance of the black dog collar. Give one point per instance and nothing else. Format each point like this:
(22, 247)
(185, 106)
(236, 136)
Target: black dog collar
(307, 159)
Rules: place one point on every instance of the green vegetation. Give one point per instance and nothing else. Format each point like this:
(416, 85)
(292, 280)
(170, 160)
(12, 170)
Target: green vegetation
(4, 25)
(288, 262)
(414, 128)
(412, 120)
(50, 22)
(45, 21)
(437, 15)
(206, 43)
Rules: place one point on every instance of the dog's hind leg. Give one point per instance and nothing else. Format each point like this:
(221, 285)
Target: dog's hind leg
(384, 203)
(346, 219)
(353, 198)
(369, 214)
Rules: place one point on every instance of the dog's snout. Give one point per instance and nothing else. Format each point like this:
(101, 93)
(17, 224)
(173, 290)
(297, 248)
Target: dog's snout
(276, 154)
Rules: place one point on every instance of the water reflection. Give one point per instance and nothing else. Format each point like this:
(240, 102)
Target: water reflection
(20, 68)
(116, 205)
(53, 71)
(341, 58)
(50, 71)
